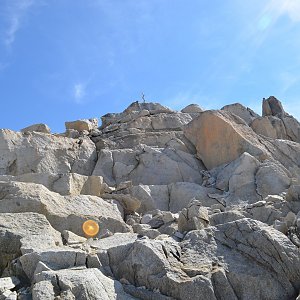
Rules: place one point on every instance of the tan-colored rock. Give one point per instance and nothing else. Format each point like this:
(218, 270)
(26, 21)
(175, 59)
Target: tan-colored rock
(264, 127)
(272, 107)
(192, 109)
(292, 128)
(269, 126)
(220, 137)
(245, 113)
(129, 203)
(37, 128)
(81, 125)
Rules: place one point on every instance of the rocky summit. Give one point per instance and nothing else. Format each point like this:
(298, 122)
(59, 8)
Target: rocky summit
(192, 204)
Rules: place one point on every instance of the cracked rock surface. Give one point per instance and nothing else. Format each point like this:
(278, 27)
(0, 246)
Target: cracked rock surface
(190, 204)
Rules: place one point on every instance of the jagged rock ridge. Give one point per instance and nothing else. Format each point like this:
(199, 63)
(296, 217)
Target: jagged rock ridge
(191, 205)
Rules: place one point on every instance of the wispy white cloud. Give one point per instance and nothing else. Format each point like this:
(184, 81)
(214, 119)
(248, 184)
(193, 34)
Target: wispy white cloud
(79, 92)
(16, 12)
(238, 57)
(289, 7)
(273, 10)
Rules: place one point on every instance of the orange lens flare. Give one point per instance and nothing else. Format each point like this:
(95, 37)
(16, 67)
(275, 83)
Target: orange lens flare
(90, 228)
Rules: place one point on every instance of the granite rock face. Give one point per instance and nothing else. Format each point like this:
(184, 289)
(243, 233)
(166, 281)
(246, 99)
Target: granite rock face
(284, 125)
(33, 152)
(190, 204)
(221, 136)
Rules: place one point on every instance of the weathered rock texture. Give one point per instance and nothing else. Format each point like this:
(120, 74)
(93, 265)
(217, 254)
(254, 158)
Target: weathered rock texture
(190, 205)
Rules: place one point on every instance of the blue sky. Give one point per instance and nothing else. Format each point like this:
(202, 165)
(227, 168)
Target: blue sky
(62, 60)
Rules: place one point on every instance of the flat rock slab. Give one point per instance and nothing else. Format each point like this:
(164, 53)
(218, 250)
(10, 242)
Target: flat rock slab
(63, 212)
(84, 284)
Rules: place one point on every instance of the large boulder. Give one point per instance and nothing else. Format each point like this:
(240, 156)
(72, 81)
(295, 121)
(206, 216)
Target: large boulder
(34, 152)
(273, 107)
(192, 109)
(238, 178)
(22, 231)
(37, 128)
(286, 153)
(51, 258)
(245, 113)
(269, 126)
(272, 179)
(292, 127)
(243, 259)
(248, 180)
(221, 137)
(81, 125)
(115, 247)
(82, 284)
(63, 212)
(156, 264)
